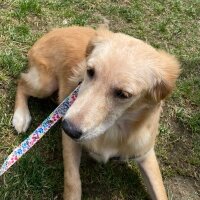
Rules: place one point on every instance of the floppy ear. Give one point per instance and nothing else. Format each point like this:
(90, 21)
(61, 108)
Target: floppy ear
(165, 76)
(102, 34)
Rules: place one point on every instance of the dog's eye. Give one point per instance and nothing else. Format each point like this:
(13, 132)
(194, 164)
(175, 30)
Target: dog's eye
(122, 94)
(90, 72)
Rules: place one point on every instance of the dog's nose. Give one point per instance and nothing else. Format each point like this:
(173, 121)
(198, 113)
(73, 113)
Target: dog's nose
(71, 130)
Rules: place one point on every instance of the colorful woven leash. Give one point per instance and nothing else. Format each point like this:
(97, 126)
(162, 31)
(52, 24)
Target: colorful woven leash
(39, 132)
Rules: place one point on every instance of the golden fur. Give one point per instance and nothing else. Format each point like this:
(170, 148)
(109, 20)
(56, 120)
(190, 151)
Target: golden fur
(118, 107)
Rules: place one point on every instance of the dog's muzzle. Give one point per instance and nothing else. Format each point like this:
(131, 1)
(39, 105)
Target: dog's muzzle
(71, 130)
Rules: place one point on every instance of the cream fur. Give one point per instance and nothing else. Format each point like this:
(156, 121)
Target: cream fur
(110, 126)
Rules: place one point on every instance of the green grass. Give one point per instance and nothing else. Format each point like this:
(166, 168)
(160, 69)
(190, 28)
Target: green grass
(172, 25)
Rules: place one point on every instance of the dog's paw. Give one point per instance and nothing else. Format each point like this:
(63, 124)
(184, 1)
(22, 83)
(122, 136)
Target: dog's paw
(21, 120)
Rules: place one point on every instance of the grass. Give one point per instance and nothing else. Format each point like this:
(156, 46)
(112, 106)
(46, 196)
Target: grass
(172, 25)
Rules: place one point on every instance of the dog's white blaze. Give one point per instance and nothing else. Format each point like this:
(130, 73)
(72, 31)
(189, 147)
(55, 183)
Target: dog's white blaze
(21, 119)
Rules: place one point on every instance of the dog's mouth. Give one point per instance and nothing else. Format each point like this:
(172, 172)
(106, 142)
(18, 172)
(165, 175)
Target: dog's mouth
(84, 138)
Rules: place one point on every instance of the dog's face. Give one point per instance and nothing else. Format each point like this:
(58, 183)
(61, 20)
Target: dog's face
(120, 72)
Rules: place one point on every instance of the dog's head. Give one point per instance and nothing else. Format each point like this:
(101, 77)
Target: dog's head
(119, 72)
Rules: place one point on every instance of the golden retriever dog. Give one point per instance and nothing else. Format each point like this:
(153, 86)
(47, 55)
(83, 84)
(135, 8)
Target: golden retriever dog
(123, 84)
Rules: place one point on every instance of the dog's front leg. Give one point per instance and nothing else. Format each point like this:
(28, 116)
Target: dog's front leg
(152, 176)
(71, 157)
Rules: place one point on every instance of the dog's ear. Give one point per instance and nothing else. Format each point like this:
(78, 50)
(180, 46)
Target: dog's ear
(89, 48)
(165, 76)
(102, 34)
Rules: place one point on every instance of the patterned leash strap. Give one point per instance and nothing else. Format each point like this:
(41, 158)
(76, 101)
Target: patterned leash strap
(28, 143)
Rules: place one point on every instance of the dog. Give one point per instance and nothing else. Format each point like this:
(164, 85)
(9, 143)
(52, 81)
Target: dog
(123, 84)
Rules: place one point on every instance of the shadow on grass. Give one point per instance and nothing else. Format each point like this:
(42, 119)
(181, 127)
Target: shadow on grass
(114, 180)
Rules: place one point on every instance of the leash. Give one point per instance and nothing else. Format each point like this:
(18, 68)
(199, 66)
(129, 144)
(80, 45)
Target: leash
(28, 143)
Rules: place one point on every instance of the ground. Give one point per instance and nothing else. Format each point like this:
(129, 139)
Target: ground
(172, 25)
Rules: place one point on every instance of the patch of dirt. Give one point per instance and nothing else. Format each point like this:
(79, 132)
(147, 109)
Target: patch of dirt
(180, 188)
